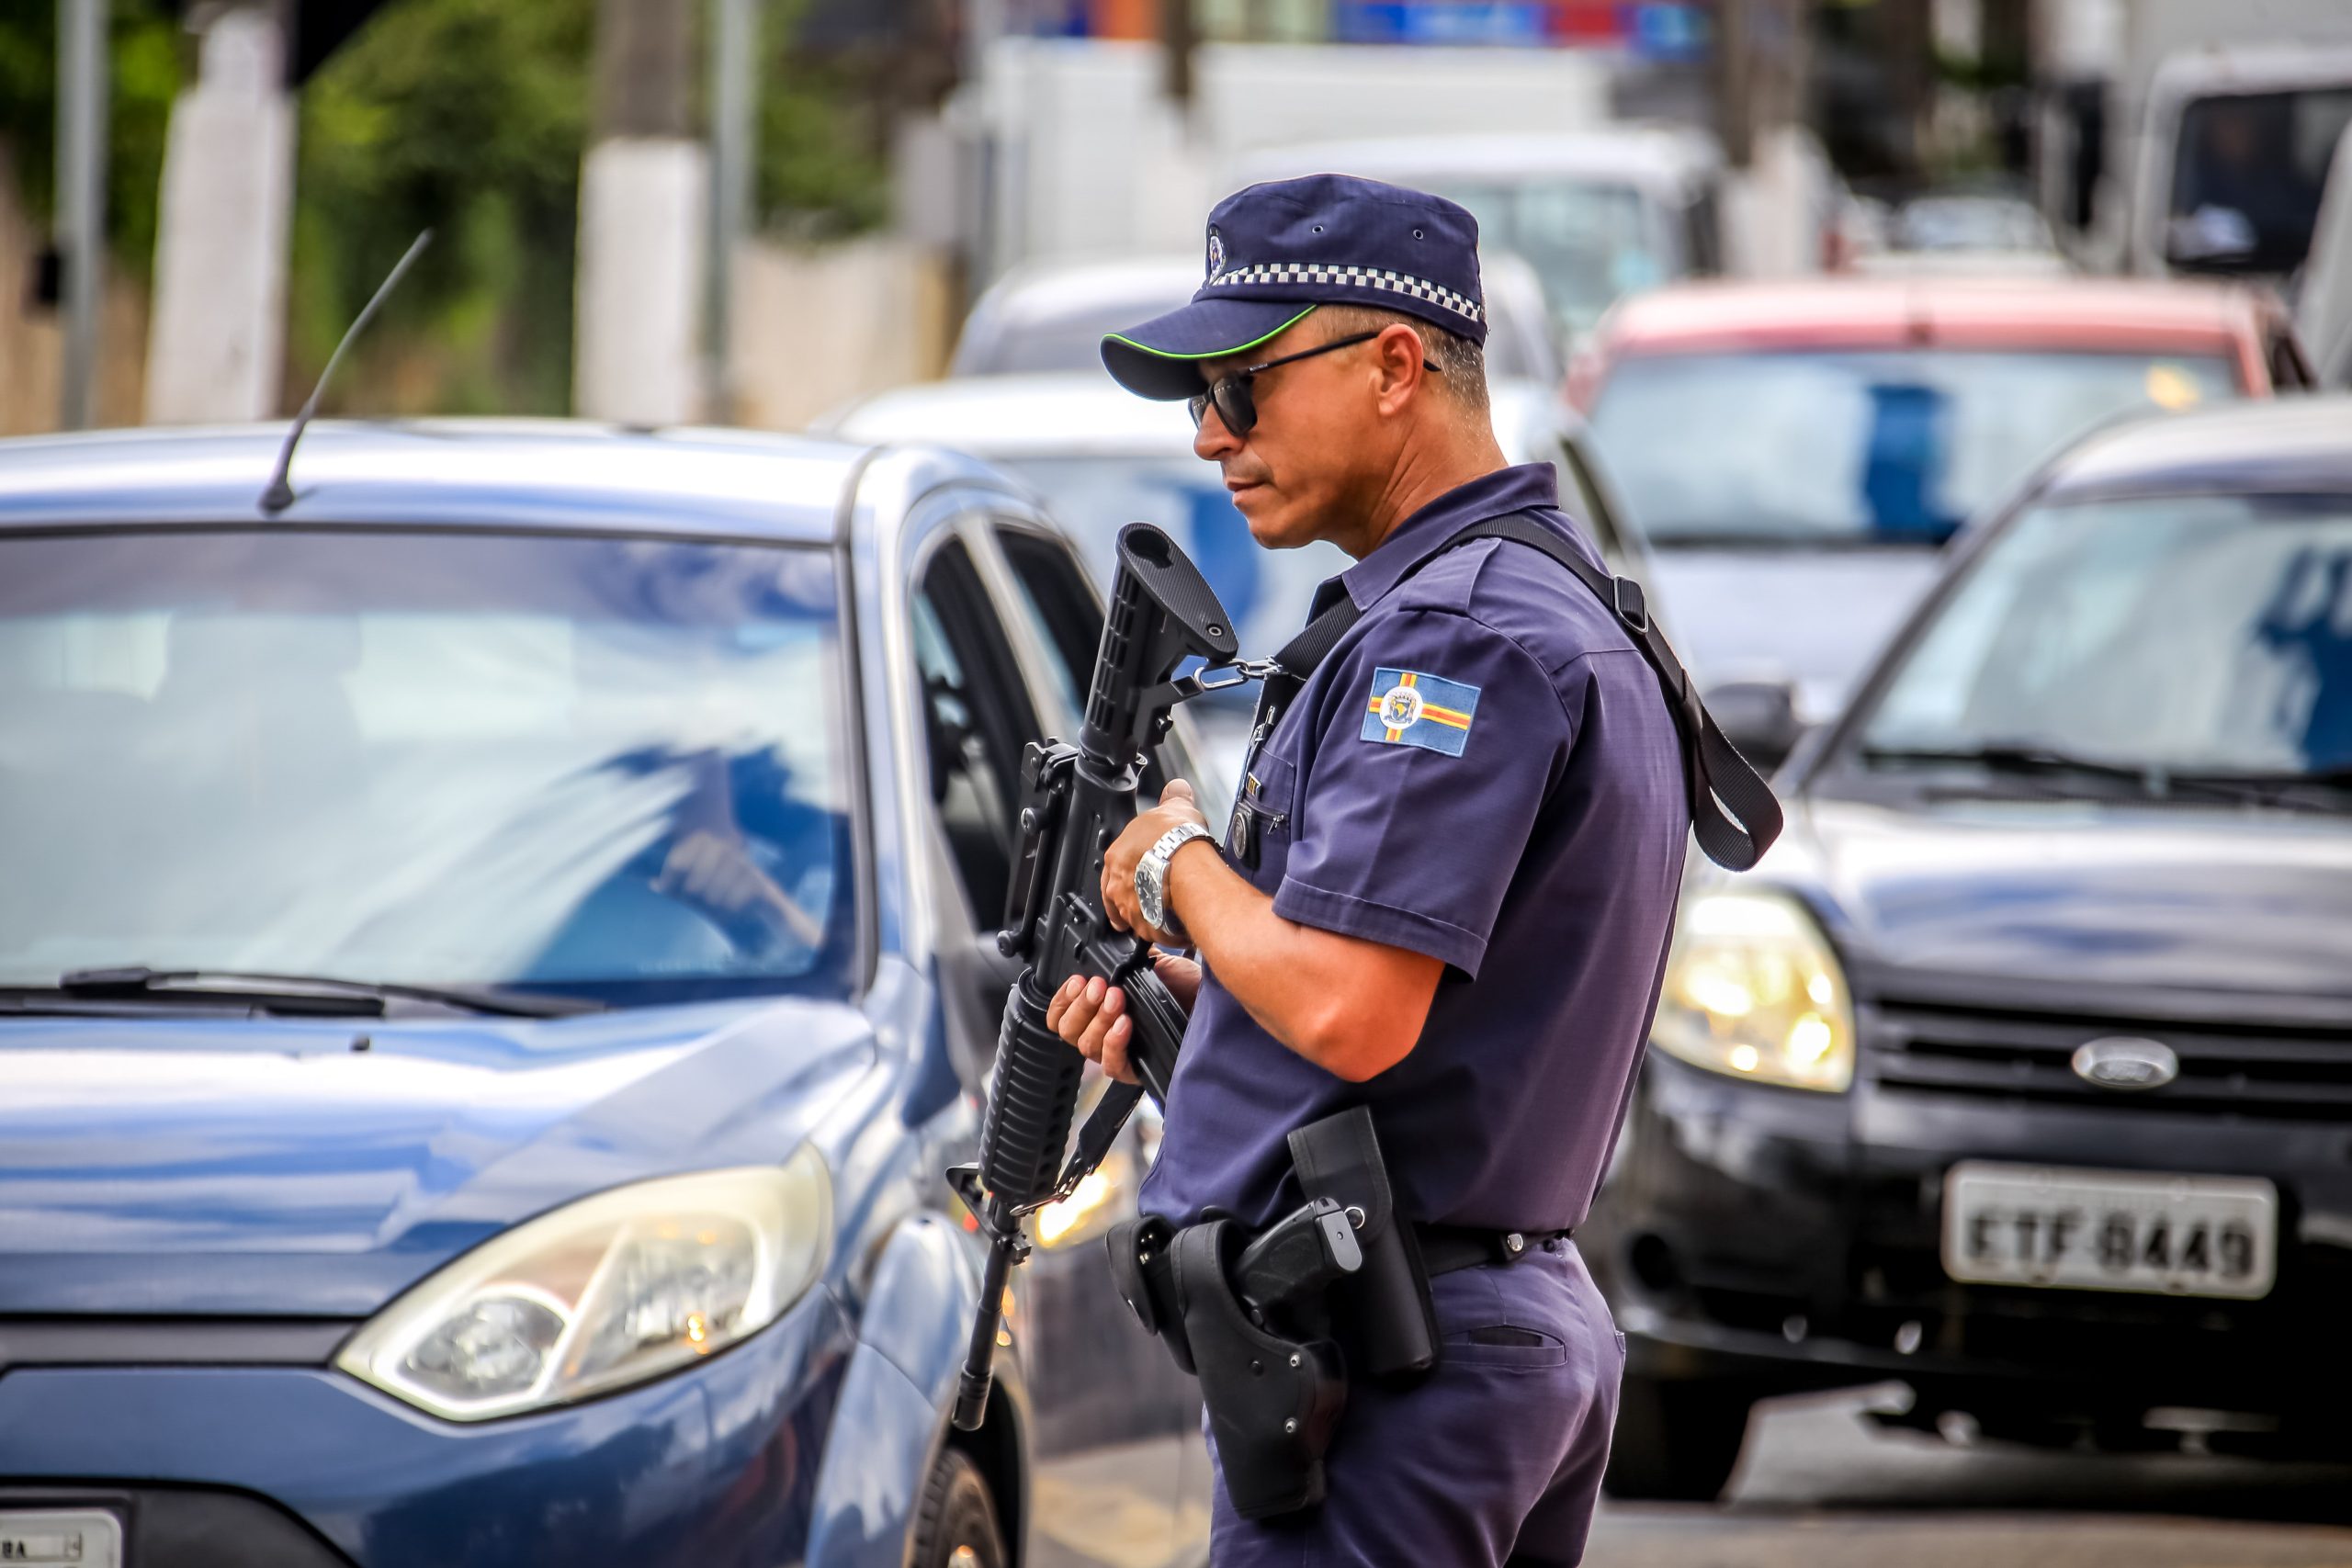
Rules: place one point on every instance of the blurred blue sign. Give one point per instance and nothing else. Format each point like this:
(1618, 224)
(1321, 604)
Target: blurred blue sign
(1517, 22)
(1668, 31)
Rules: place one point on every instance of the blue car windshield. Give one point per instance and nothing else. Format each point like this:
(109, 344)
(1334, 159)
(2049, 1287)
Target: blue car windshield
(610, 767)
(2195, 634)
(1859, 448)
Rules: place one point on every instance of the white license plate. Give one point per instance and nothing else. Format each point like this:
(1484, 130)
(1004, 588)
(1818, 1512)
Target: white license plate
(2110, 1230)
(84, 1538)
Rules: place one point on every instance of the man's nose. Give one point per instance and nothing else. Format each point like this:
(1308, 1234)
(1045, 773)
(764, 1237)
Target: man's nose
(1212, 441)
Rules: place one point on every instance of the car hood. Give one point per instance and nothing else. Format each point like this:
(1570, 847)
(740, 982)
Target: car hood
(1811, 616)
(277, 1167)
(2081, 896)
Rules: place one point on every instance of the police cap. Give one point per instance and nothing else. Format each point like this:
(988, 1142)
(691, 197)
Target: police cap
(1278, 250)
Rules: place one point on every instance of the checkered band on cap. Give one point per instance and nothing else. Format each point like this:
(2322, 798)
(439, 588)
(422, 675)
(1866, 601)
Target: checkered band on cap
(1358, 276)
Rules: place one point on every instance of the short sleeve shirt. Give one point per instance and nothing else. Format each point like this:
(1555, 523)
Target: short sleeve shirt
(1484, 770)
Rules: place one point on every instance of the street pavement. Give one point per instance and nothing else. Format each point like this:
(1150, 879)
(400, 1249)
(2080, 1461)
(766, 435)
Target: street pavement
(1822, 1486)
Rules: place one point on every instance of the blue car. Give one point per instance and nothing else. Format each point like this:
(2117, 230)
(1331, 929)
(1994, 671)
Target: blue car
(2020, 1070)
(493, 963)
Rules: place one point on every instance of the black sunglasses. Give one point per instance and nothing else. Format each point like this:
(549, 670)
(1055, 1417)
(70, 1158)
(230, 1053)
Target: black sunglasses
(1237, 406)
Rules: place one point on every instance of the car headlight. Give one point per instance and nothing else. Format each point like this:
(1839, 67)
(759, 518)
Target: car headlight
(601, 1293)
(1752, 989)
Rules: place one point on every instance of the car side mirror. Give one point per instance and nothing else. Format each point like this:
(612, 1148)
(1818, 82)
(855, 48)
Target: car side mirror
(1759, 717)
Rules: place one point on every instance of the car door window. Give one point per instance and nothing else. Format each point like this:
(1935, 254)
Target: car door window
(1068, 619)
(2290, 370)
(976, 719)
(1581, 493)
(1061, 611)
(1702, 234)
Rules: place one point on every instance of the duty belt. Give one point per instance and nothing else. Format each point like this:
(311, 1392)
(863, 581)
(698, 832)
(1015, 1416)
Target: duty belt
(1444, 1250)
(1448, 1248)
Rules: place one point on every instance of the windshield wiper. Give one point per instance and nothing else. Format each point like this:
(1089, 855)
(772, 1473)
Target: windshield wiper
(323, 994)
(2280, 787)
(2153, 781)
(1846, 542)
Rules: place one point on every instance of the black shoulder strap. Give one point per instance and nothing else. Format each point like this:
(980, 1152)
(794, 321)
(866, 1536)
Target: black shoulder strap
(1733, 810)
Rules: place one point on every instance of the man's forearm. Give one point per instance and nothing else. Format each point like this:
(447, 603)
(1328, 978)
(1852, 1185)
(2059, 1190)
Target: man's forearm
(1351, 1007)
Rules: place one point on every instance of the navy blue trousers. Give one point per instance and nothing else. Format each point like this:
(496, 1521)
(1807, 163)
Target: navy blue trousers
(1496, 1456)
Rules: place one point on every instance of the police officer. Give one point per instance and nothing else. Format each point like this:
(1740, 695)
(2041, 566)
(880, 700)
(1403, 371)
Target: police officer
(1448, 887)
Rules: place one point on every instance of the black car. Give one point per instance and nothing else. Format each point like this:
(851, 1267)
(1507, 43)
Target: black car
(2022, 1070)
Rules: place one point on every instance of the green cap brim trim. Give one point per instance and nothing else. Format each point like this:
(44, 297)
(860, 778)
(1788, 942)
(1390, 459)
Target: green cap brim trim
(1213, 353)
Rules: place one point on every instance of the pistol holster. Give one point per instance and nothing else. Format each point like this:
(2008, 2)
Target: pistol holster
(1253, 1331)
(1274, 1401)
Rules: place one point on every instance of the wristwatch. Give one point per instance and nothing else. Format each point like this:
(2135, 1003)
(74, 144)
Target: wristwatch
(1151, 878)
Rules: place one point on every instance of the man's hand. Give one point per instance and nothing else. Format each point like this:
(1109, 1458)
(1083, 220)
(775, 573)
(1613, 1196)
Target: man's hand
(718, 873)
(1126, 851)
(1092, 1016)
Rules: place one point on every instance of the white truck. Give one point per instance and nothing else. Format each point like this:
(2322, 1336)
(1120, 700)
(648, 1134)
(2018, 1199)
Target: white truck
(1074, 147)
(2213, 126)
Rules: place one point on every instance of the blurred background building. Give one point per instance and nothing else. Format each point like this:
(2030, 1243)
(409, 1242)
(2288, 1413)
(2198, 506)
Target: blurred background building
(637, 200)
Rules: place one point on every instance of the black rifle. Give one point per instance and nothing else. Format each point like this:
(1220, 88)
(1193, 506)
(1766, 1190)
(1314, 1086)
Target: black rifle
(1074, 800)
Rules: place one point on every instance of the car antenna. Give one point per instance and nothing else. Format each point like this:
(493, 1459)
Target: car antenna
(279, 493)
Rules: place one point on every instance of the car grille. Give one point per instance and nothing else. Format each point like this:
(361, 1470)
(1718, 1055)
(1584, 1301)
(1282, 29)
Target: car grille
(2280, 1070)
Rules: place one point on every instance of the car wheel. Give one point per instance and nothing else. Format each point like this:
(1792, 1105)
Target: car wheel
(1675, 1441)
(955, 1525)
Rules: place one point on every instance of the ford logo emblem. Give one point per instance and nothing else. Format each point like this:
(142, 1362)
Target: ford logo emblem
(2127, 1064)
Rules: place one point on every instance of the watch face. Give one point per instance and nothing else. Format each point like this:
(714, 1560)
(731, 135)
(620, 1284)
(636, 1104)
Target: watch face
(1149, 889)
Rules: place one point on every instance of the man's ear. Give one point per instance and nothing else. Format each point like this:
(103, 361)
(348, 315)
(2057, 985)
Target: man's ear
(1398, 354)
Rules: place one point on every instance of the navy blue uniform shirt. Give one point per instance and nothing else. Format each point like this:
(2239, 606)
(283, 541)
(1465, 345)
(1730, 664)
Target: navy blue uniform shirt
(1485, 770)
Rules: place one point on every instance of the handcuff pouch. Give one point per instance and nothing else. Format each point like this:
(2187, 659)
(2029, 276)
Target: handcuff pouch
(1383, 1312)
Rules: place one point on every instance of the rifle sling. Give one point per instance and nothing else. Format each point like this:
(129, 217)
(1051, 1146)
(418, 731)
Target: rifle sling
(1733, 811)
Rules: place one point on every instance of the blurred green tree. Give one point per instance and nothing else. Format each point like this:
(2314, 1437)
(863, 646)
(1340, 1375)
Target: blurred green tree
(465, 116)
(469, 117)
(824, 132)
(146, 59)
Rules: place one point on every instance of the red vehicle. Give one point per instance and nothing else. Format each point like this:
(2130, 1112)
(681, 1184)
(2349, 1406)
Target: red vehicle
(1797, 452)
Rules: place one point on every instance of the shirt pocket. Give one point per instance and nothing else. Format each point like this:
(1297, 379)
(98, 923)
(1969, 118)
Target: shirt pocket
(1258, 839)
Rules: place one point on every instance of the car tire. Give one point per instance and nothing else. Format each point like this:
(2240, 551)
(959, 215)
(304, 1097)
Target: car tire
(1675, 1441)
(956, 1525)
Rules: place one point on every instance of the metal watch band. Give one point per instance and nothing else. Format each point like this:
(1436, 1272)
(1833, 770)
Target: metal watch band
(1151, 876)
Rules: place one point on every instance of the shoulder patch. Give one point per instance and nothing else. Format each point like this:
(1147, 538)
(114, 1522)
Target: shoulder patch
(1410, 708)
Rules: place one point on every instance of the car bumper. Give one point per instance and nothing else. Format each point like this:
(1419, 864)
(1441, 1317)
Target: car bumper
(303, 1467)
(1792, 1240)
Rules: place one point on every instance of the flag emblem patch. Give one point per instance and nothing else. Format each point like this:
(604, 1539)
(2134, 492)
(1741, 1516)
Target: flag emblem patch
(1410, 708)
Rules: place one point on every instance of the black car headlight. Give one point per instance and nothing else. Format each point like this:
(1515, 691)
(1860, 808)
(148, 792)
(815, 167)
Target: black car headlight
(603, 1293)
(1753, 990)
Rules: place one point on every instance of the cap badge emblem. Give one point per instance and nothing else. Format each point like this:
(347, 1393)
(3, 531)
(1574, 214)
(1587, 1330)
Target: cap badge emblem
(2126, 1064)
(1216, 254)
